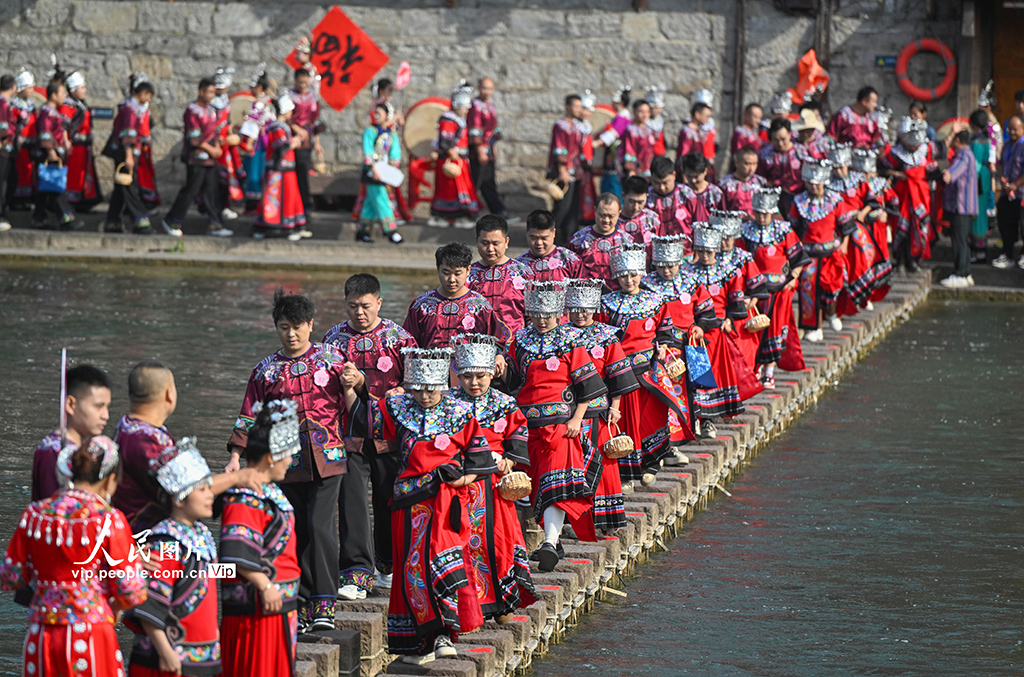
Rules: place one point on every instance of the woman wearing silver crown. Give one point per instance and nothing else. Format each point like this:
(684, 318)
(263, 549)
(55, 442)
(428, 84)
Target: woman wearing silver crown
(176, 628)
(77, 556)
(455, 200)
(497, 548)
(730, 224)
(885, 210)
(909, 165)
(443, 450)
(554, 379)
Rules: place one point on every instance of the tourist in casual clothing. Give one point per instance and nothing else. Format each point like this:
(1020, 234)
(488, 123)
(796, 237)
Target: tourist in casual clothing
(77, 591)
(909, 165)
(496, 277)
(83, 185)
(960, 203)
(282, 210)
(779, 163)
(548, 261)
(554, 379)
(310, 374)
(635, 218)
(603, 342)
(484, 133)
(52, 145)
(748, 133)
(497, 548)
(199, 152)
(739, 187)
(594, 244)
(564, 166)
(125, 145)
(455, 199)
(1011, 177)
(670, 200)
(8, 135)
(982, 149)
(176, 628)
(437, 316)
(856, 124)
(444, 450)
(87, 409)
(307, 126)
(259, 623)
(707, 196)
(374, 346)
(380, 144)
(637, 149)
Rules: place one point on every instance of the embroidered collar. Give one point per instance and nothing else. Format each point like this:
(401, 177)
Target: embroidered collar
(917, 158)
(196, 538)
(621, 306)
(489, 407)
(534, 345)
(761, 236)
(446, 417)
(813, 208)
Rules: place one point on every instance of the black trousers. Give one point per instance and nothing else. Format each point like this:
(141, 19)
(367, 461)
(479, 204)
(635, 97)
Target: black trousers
(303, 165)
(960, 227)
(199, 179)
(316, 542)
(1008, 216)
(567, 214)
(6, 183)
(486, 186)
(55, 203)
(363, 547)
(127, 200)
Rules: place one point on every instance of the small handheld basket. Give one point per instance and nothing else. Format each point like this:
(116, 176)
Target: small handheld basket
(556, 189)
(676, 368)
(515, 485)
(233, 140)
(757, 322)
(451, 169)
(619, 446)
(122, 178)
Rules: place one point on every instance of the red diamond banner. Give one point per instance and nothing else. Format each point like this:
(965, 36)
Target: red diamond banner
(344, 56)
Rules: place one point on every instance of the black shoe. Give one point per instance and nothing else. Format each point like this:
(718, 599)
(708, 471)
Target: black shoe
(73, 224)
(560, 550)
(547, 557)
(142, 230)
(113, 227)
(321, 625)
(912, 267)
(363, 237)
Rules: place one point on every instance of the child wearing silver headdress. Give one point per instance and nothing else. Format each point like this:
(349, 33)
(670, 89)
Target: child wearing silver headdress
(497, 547)
(443, 450)
(555, 380)
(176, 628)
(740, 260)
(603, 342)
(910, 166)
(647, 333)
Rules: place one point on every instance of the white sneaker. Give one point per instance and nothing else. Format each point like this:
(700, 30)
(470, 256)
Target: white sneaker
(648, 479)
(815, 335)
(443, 648)
(970, 280)
(1020, 262)
(836, 324)
(627, 487)
(708, 430)
(295, 237)
(305, 233)
(869, 306)
(217, 230)
(351, 592)
(464, 223)
(418, 660)
(437, 222)
(228, 214)
(954, 282)
(4, 225)
(173, 231)
(383, 581)
(1002, 261)
(676, 458)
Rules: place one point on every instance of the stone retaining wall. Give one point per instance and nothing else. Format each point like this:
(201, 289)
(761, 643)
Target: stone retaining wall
(535, 52)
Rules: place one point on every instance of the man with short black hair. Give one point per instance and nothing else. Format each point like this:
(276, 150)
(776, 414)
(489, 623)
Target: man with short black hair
(856, 124)
(564, 164)
(739, 187)
(779, 163)
(639, 222)
(594, 244)
(496, 277)
(548, 261)
(306, 126)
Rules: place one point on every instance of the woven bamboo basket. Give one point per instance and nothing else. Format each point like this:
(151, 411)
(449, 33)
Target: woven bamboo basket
(758, 321)
(556, 189)
(515, 485)
(122, 178)
(676, 368)
(619, 446)
(451, 169)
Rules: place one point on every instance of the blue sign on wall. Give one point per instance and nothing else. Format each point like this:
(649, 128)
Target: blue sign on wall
(885, 61)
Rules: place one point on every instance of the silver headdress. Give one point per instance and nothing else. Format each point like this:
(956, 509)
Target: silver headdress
(583, 295)
(629, 257)
(462, 95)
(427, 368)
(840, 154)
(285, 104)
(260, 71)
(284, 440)
(912, 132)
(620, 92)
(766, 200)
(667, 250)
(304, 47)
(781, 104)
(74, 81)
(136, 79)
(545, 299)
(655, 96)
(475, 352)
(883, 116)
(816, 171)
(222, 79)
(728, 223)
(589, 99)
(705, 96)
(864, 161)
(101, 448)
(24, 79)
(181, 469)
(987, 96)
(707, 238)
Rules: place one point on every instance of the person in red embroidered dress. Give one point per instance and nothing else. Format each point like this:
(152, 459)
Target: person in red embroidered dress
(230, 174)
(87, 408)
(455, 198)
(779, 163)
(496, 277)
(655, 96)
(127, 145)
(636, 219)
(554, 379)
(52, 145)
(780, 256)
(603, 342)
(496, 550)
(909, 165)
(594, 244)
(77, 555)
(83, 185)
(857, 124)
(878, 194)
(176, 628)
(259, 623)
(815, 217)
(310, 374)
(739, 187)
(373, 345)
(145, 169)
(647, 332)
(22, 187)
(748, 133)
(671, 201)
(548, 261)
(443, 451)
(435, 317)
(281, 212)
(307, 126)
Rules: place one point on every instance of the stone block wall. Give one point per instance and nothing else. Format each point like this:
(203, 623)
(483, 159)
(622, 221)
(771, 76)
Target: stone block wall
(536, 50)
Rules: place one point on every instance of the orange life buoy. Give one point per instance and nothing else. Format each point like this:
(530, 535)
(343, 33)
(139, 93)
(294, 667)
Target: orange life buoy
(919, 93)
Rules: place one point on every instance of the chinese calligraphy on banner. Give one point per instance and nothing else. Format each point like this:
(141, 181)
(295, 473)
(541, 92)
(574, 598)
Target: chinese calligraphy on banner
(345, 57)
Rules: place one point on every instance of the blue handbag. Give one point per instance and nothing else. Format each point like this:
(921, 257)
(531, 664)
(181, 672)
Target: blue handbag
(52, 179)
(698, 366)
